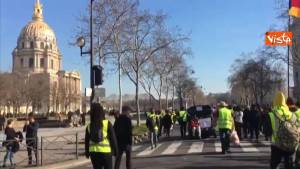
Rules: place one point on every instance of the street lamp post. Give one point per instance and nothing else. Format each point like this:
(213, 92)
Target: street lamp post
(81, 43)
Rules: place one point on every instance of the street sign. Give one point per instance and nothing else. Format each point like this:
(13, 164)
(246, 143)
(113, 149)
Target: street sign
(99, 92)
(88, 92)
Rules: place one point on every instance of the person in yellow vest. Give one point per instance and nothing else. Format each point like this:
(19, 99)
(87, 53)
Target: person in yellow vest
(225, 124)
(152, 126)
(100, 139)
(182, 120)
(282, 111)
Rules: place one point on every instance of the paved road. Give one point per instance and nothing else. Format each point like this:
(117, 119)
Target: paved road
(174, 153)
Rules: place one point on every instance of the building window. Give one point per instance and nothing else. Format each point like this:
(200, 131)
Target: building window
(50, 46)
(52, 64)
(23, 45)
(31, 62)
(297, 76)
(31, 45)
(22, 62)
(42, 62)
(42, 45)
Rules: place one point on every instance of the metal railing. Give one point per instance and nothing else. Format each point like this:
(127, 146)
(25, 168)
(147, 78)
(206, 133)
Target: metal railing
(61, 148)
(20, 157)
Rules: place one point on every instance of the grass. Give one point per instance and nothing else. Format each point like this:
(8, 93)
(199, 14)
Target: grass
(139, 130)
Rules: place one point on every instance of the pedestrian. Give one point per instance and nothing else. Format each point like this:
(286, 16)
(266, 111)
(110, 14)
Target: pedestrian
(267, 128)
(11, 143)
(246, 125)
(254, 121)
(238, 120)
(100, 139)
(167, 123)
(2, 122)
(182, 120)
(225, 123)
(280, 110)
(152, 126)
(123, 129)
(31, 130)
(83, 119)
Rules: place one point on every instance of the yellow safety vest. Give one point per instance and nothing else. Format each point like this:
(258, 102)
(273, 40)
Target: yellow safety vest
(225, 120)
(183, 116)
(275, 121)
(104, 145)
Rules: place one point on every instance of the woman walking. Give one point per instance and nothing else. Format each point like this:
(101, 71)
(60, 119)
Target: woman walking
(100, 139)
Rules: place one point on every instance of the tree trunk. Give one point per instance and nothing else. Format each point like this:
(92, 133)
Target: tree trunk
(173, 95)
(167, 98)
(137, 98)
(160, 91)
(120, 87)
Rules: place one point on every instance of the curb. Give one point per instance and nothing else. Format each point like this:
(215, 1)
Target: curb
(65, 165)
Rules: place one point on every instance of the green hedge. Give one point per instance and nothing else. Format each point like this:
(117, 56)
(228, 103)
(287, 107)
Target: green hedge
(139, 130)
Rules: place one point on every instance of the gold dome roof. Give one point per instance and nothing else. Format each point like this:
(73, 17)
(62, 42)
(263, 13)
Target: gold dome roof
(37, 29)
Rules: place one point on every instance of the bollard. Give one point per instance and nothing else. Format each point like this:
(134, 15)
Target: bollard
(41, 151)
(37, 151)
(76, 145)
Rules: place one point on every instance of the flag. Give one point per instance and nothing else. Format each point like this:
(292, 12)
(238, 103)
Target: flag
(294, 8)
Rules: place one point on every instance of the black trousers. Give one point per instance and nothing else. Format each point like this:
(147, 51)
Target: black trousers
(101, 160)
(225, 139)
(254, 129)
(238, 127)
(31, 147)
(183, 129)
(127, 150)
(276, 156)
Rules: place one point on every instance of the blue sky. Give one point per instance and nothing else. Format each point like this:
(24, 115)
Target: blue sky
(220, 31)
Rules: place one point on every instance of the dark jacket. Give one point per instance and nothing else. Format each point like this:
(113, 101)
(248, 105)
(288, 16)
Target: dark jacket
(31, 130)
(11, 140)
(111, 137)
(167, 121)
(123, 129)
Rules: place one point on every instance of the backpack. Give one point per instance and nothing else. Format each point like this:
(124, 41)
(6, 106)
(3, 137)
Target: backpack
(96, 135)
(288, 133)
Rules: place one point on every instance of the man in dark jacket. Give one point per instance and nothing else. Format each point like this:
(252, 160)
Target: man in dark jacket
(123, 130)
(31, 129)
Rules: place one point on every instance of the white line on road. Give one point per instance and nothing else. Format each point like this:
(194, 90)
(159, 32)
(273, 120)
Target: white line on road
(196, 147)
(250, 147)
(172, 148)
(218, 147)
(134, 148)
(148, 151)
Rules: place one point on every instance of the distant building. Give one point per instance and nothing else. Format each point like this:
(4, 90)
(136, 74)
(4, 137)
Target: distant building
(295, 57)
(37, 56)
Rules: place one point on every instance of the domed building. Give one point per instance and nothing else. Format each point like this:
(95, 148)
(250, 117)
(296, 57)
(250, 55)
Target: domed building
(37, 56)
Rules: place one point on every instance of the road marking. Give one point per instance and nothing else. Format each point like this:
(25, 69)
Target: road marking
(148, 151)
(134, 148)
(172, 148)
(218, 147)
(196, 147)
(250, 147)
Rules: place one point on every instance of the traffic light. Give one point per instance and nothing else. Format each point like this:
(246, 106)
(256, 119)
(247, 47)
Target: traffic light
(98, 75)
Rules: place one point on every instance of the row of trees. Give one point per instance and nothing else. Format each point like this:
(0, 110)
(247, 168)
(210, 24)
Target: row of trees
(139, 45)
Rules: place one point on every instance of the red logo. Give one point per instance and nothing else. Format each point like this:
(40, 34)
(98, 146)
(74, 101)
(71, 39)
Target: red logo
(279, 38)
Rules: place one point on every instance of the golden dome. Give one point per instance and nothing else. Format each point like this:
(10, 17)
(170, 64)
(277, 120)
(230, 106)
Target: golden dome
(37, 29)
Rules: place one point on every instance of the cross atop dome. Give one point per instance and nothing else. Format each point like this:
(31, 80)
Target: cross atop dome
(38, 11)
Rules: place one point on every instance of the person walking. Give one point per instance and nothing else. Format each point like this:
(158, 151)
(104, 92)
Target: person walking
(11, 143)
(254, 121)
(182, 120)
(280, 111)
(2, 122)
(152, 126)
(100, 139)
(246, 125)
(225, 123)
(167, 123)
(123, 129)
(31, 130)
(238, 121)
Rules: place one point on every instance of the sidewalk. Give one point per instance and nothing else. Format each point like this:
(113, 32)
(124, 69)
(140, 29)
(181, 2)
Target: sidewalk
(64, 165)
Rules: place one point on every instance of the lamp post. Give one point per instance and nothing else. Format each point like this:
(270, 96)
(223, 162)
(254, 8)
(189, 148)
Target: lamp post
(81, 43)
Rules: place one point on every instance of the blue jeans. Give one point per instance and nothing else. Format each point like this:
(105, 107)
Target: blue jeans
(9, 154)
(225, 139)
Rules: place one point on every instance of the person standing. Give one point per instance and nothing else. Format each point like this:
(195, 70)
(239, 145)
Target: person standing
(167, 123)
(182, 122)
(123, 129)
(100, 139)
(254, 120)
(238, 121)
(152, 126)
(31, 130)
(11, 143)
(225, 123)
(280, 110)
(2, 122)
